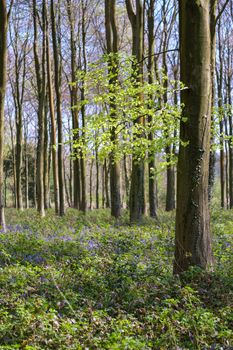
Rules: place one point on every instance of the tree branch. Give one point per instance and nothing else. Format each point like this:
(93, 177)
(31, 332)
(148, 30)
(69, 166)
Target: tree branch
(130, 11)
(158, 53)
(221, 11)
(10, 8)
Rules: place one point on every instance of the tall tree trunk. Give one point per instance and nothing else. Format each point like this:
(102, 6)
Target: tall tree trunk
(46, 157)
(41, 86)
(19, 157)
(229, 112)
(151, 72)
(26, 165)
(112, 48)
(97, 178)
(213, 5)
(90, 184)
(83, 206)
(137, 196)
(74, 110)
(103, 187)
(53, 120)
(57, 79)
(13, 161)
(221, 123)
(3, 67)
(35, 178)
(170, 183)
(192, 240)
(106, 183)
(127, 184)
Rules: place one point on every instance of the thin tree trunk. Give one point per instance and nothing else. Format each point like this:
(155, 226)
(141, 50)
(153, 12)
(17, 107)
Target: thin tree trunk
(3, 68)
(137, 196)
(74, 110)
(57, 79)
(221, 123)
(53, 121)
(91, 185)
(26, 166)
(151, 69)
(229, 112)
(97, 179)
(103, 189)
(13, 162)
(46, 157)
(40, 76)
(106, 184)
(112, 48)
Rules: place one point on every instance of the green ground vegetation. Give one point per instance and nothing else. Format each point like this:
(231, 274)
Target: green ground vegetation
(87, 282)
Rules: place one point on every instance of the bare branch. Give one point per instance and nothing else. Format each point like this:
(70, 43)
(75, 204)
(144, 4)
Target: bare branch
(221, 11)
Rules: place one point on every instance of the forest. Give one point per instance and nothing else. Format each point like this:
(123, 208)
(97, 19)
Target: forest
(116, 174)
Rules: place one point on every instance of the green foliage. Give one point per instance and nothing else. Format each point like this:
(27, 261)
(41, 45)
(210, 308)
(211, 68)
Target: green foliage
(115, 100)
(219, 115)
(88, 283)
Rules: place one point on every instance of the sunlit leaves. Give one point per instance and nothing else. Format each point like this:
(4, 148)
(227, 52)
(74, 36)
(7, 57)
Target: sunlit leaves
(116, 100)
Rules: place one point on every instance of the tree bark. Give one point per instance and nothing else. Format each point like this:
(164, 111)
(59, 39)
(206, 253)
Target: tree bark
(151, 72)
(53, 119)
(137, 196)
(3, 67)
(112, 50)
(40, 77)
(193, 241)
(74, 110)
(57, 79)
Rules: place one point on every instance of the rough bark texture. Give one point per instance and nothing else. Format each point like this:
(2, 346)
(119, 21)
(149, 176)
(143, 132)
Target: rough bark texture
(112, 48)
(46, 157)
(221, 123)
(52, 117)
(3, 63)
(57, 83)
(74, 110)
(213, 57)
(137, 196)
(170, 174)
(193, 242)
(40, 77)
(83, 203)
(229, 100)
(151, 72)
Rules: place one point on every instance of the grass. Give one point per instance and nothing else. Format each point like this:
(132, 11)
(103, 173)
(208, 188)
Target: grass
(86, 282)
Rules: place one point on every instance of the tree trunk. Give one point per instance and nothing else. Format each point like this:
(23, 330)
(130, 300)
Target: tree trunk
(229, 91)
(40, 77)
(221, 123)
(97, 179)
(192, 240)
(106, 183)
(52, 117)
(137, 196)
(213, 58)
(151, 70)
(112, 49)
(26, 165)
(90, 184)
(13, 161)
(74, 110)
(3, 68)
(46, 157)
(57, 79)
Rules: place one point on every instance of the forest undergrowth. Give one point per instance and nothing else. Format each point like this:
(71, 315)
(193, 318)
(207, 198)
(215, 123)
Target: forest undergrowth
(87, 282)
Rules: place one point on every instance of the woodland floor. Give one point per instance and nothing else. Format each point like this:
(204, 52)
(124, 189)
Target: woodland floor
(88, 283)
